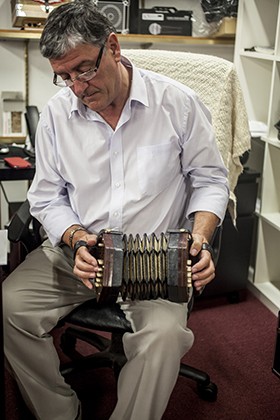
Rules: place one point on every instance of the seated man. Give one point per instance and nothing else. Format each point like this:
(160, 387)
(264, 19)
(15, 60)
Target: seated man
(117, 147)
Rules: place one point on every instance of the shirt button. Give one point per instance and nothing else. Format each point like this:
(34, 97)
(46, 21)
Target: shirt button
(117, 184)
(116, 214)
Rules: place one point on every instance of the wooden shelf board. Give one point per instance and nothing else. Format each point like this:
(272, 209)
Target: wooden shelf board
(174, 39)
(11, 139)
(15, 34)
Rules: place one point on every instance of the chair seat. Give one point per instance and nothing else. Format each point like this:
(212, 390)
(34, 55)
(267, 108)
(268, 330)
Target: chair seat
(101, 317)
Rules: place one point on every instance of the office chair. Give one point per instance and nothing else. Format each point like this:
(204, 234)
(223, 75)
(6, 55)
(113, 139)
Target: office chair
(31, 117)
(85, 321)
(215, 80)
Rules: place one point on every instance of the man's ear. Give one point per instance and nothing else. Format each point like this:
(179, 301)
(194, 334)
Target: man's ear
(114, 45)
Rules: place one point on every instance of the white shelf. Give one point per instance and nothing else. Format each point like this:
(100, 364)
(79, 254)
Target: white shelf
(273, 219)
(259, 25)
(259, 56)
(256, 80)
(274, 142)
(268, 294)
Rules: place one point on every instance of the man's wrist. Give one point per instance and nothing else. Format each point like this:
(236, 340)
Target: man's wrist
(73, 232)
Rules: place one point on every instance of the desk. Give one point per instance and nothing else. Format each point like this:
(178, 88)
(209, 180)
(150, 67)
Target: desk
(10, 174)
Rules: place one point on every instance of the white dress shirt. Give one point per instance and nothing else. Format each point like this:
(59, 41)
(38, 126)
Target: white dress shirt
(159, 166)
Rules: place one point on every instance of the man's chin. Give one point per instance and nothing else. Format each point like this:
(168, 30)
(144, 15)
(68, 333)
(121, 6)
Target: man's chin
(91, 104)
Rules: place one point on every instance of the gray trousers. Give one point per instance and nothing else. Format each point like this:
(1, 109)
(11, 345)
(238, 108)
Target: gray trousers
(40, 292)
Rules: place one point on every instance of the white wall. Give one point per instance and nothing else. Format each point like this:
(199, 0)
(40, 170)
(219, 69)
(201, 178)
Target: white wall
(12, 67)
(12, 64)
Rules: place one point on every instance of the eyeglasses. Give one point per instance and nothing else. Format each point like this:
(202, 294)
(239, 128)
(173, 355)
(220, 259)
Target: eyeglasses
(83, 77)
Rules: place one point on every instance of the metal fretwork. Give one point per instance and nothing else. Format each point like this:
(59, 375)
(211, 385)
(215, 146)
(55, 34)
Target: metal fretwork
(147, 267)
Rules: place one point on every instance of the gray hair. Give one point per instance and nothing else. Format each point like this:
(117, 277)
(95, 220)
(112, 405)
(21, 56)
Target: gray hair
(73, 24)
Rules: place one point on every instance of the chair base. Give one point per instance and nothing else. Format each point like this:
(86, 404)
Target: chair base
(110, 354)
(110, 351)
(206, 389)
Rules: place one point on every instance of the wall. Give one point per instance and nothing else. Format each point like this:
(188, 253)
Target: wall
(40, 76)
(12, 68)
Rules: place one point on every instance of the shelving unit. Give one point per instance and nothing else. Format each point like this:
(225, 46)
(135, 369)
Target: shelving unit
(15, 34)
(29, 38)
(258, 25)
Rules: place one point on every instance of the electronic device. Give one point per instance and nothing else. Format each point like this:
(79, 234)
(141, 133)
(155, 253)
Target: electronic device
(17, 162)
(165, 21)
(133, 16)
(117, 12)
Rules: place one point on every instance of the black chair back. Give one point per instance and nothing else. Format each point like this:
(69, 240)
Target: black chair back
(32, 117)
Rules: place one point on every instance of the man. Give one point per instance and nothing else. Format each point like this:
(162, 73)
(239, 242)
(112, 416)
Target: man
(116, 147)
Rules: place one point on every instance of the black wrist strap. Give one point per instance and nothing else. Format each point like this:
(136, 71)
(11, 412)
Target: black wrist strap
(78, 245)
(208, 247)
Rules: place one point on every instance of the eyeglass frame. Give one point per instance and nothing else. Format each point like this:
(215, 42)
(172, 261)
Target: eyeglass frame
(70, 82)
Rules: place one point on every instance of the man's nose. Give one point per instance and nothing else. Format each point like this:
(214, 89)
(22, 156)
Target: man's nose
(79, 86)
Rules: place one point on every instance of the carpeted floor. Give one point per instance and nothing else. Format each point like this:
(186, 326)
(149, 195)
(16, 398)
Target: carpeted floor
(234, 344)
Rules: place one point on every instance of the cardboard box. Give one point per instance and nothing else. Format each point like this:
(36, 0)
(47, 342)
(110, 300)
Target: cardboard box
(227, 28)
(28, 13)
(165, 21)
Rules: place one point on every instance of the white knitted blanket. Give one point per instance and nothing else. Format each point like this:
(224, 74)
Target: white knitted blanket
(215, 81)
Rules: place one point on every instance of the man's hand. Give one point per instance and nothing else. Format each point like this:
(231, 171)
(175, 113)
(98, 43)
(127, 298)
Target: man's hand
(203, 271)
(85, 265)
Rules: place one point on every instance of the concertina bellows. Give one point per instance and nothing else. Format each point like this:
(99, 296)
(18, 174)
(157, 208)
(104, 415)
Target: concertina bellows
(143, 268)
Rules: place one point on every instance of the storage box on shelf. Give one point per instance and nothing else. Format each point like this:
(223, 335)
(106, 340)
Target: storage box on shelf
(227, 28)
(257, 59)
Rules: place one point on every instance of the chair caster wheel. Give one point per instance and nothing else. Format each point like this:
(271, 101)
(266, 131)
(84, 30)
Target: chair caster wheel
(207, 392)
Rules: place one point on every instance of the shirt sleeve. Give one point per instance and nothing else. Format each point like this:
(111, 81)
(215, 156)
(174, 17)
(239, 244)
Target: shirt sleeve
(48, 197)
(202, 164)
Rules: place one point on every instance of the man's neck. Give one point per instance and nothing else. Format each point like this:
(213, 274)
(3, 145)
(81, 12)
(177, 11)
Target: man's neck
(112, 113)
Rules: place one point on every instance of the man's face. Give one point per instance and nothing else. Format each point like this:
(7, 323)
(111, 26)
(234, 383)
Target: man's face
(102, 90)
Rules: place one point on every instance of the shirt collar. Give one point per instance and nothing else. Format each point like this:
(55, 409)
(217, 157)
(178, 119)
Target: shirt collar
(77, 105)
(138, 91)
